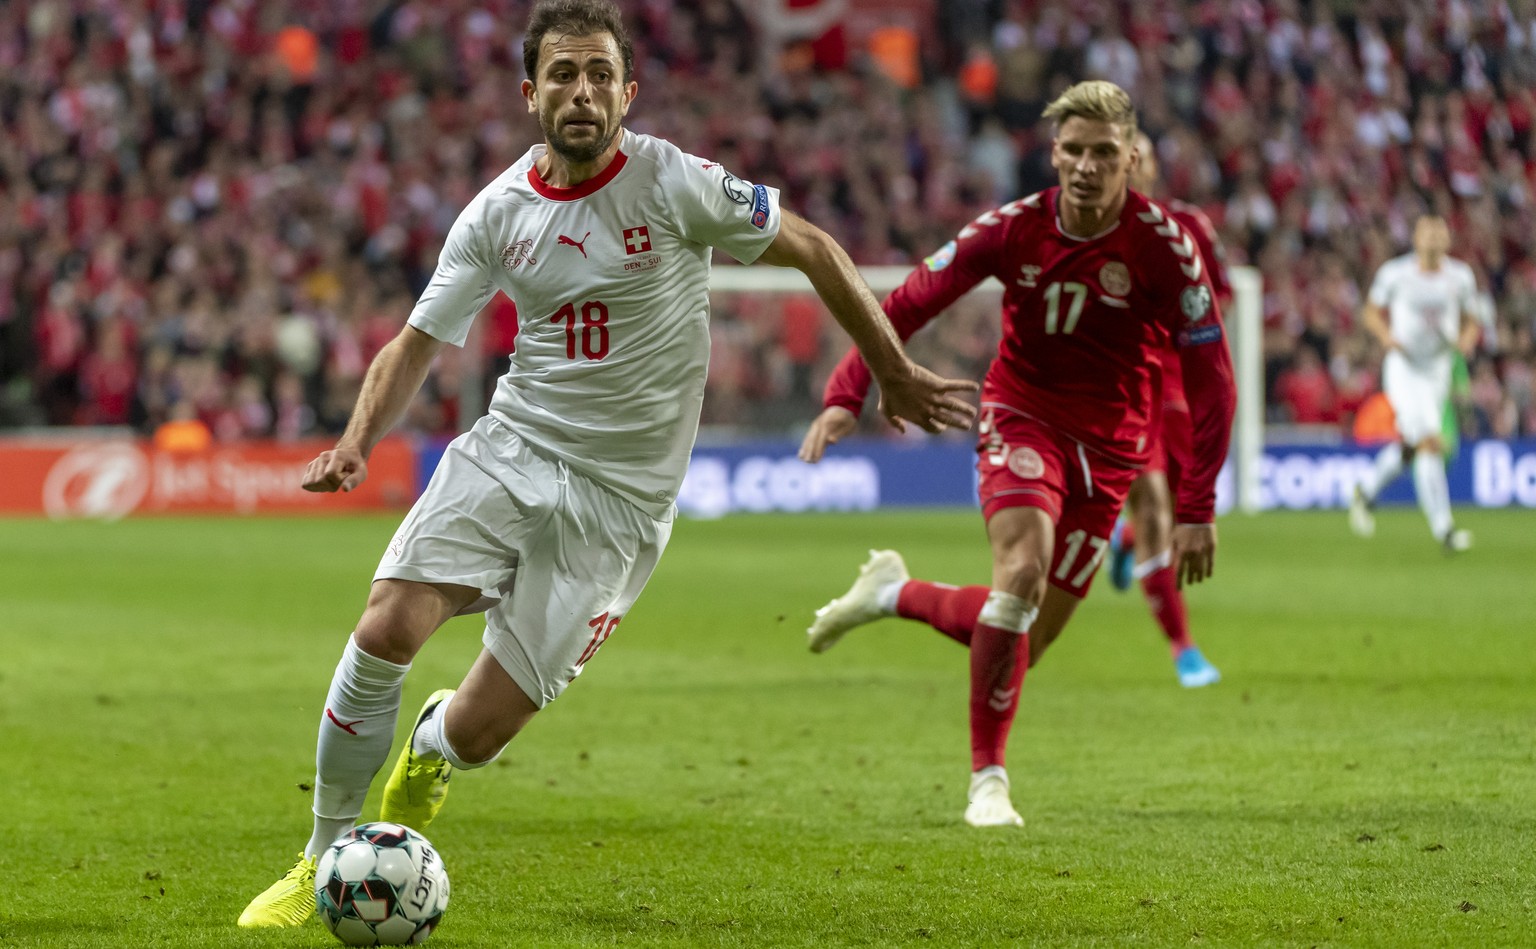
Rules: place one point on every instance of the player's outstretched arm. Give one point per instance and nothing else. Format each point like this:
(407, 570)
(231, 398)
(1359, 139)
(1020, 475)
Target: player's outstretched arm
(907, 390)
(392, 381)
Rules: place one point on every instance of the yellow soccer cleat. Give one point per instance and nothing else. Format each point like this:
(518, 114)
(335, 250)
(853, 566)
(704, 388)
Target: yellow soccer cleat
(288, 902)
(417, 787)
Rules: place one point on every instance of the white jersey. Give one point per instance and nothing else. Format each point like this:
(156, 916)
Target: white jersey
(1424, 309)
(611, 283)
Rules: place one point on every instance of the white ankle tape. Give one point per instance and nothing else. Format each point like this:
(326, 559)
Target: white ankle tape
(1007, 611)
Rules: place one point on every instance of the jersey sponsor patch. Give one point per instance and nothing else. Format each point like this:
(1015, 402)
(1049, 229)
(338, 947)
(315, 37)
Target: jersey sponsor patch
(940, 258)
(760, 206)
(1195, 302)
(1115, 278)
(1200, 335)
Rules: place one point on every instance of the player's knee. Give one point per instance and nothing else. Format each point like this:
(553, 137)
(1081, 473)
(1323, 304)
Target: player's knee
(399, 617)
(376, 639)
(1023, 574)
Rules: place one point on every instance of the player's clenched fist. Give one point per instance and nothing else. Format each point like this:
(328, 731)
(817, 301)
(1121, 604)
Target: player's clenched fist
(340, 469)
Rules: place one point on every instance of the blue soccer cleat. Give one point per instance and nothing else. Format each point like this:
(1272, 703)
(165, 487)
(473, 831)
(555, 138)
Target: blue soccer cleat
(1194, 669)
(1122, 558)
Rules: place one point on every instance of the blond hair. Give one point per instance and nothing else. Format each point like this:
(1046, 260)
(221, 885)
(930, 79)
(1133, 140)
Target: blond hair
(1098, 100)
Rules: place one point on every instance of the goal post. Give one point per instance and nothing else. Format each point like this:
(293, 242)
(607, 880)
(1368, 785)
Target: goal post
(1245, 328)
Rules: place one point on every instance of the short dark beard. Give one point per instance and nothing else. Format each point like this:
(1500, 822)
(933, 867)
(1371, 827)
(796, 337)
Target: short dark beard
(574, 154)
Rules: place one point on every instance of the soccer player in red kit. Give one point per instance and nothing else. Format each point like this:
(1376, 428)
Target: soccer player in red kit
(1138, 548)
(1098, 281)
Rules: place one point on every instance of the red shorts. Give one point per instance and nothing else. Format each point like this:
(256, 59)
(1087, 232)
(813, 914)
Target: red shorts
(1026, 463)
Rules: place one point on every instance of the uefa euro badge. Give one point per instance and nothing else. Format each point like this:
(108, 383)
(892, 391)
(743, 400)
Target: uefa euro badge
(1195, 302)
(941, 258)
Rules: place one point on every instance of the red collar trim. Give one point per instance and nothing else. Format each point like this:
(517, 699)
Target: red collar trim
(587, 187)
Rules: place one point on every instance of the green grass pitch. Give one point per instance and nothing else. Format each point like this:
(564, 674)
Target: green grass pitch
(1364, 776)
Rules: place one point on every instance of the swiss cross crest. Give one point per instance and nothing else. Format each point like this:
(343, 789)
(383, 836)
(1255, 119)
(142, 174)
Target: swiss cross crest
(637, 240)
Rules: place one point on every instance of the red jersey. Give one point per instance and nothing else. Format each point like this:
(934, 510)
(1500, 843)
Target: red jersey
(1084, 320)
(1198, 226)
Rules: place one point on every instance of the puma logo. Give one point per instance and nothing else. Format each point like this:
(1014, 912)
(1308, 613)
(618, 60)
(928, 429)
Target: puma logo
(344, 726)
(579, 245)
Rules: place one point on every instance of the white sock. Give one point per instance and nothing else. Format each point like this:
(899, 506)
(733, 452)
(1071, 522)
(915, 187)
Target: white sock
(355, 733)
(1389, 464)
(1434, 494)
(989, 771)
(887, 596)
(430, 740)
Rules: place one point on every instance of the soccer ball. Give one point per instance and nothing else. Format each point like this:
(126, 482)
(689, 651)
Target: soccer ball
(381, 884)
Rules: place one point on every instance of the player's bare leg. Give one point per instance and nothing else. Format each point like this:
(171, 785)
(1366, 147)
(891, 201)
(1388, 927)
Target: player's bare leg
(1152, 513)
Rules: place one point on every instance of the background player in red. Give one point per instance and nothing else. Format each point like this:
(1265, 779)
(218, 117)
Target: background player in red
(1138, 548)
(1097, 281)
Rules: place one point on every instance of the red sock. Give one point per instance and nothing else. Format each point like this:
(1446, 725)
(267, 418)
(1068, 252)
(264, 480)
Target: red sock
(998, 660)
(1167, 604)
(950, 610)
(1128, 534)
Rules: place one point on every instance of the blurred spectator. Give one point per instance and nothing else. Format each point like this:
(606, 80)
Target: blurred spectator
(1306, 390)
(229, 206)
(183, 433)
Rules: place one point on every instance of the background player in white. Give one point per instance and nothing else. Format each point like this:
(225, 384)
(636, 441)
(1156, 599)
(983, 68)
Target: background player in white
(1422, 307)
(551, 512)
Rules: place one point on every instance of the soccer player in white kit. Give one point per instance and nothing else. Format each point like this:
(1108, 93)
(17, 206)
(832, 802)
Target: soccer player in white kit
(551, 512)
(1422, 307)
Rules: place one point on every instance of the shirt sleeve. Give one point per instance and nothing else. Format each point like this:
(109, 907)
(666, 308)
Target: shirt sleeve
(718, 209)
(1187, 305)
(461, 285)
(939, 281)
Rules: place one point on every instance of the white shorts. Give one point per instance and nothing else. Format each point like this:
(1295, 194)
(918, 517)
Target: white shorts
(1417, 394)
(557, 558)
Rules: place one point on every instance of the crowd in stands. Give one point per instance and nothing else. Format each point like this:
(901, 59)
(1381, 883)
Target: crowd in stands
(219, 210)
